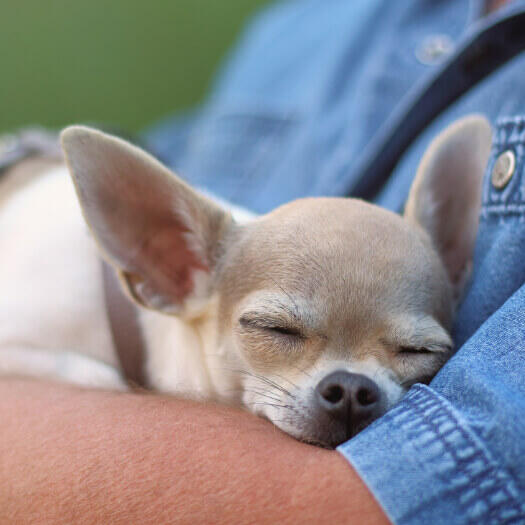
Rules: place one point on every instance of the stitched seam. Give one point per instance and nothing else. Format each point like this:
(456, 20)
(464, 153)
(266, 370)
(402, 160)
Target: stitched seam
(500, 479)
(502, 208)
(517, 120)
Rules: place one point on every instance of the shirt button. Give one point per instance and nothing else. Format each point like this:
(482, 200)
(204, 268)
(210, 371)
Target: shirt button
(434, 49)
(503, 169)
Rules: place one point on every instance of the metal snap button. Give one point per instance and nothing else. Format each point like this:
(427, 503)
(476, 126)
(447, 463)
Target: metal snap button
(503, 169)
(434, 49)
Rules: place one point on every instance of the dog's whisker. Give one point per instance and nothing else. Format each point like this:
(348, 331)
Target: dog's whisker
(265, 395)
(263, 403)
(268, 382)
(303, 371)
(292, 300)
(270, 393)
(261, 378)
(294, 386)
(274, 384)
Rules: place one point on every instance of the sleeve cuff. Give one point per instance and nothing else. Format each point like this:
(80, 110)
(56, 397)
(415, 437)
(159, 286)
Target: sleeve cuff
(425, 465)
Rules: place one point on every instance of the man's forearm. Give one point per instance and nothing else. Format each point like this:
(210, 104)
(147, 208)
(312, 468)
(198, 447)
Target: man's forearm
(70, 455)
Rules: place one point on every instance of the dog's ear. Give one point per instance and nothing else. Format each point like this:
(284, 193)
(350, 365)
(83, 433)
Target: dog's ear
(445, 198)
(162, 236)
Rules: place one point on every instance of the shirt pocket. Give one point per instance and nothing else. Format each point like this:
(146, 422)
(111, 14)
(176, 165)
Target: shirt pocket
(234, 150)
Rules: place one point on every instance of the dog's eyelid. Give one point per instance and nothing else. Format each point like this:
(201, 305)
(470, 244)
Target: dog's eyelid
(417, 346)
(429, 348)
(413, 334)
(266, 322)
(270, 315)
(413, 350)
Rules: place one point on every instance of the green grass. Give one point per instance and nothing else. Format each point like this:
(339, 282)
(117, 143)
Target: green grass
(125, 62)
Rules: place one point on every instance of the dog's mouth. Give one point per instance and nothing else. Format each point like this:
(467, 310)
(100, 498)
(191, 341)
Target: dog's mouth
(317, 443)
(324, 434)
(333, 441)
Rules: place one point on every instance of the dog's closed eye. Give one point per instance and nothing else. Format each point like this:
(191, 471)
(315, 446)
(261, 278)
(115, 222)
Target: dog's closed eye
(269, 324)
(285, 330)
(407, 350)
(417, 337)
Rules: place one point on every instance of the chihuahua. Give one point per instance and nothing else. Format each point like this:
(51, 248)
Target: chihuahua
(317, 316)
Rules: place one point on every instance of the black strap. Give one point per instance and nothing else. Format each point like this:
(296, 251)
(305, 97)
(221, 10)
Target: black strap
(125, 328)
(489, 46)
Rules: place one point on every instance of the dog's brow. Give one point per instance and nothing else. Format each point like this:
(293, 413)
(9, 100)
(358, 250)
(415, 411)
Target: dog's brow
(419, 333)
(267, 316)
(271, 309)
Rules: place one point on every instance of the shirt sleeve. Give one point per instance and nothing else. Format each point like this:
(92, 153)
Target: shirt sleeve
(454, 452)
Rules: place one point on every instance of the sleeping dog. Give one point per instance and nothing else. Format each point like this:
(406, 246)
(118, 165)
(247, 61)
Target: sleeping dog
(317, 316)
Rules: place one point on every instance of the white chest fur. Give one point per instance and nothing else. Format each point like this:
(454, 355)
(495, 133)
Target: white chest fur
(53, 319)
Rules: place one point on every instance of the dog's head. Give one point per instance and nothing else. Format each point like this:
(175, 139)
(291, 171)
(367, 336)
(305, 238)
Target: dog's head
(326, 310)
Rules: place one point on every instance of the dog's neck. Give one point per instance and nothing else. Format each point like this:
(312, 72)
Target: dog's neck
(179, 353)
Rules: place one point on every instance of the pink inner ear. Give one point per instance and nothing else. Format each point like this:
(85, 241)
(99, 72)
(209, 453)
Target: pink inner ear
(457, 260)
(169, 264)
(457, 191)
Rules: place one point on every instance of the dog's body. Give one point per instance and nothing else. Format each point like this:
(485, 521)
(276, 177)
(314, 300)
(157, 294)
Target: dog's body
(263, 312)
(53, 320)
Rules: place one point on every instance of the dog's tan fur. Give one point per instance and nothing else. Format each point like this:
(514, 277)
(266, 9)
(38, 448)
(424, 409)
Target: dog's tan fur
(253, 311)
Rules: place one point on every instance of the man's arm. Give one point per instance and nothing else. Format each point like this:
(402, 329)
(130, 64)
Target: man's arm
(72, 456)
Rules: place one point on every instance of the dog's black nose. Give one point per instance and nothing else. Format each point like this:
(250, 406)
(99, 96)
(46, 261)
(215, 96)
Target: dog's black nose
(351, 399)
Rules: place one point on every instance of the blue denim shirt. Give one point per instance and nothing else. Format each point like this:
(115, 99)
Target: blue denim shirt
(309, 102)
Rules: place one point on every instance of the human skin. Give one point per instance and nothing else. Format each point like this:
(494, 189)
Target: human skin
(69, 455)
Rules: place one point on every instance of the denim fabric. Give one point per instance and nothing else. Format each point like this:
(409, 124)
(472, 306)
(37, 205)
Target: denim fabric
(305, 92)
(296, 108)
(454, 452)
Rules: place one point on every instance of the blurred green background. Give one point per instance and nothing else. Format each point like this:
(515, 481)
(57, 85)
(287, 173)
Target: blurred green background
(124, 62)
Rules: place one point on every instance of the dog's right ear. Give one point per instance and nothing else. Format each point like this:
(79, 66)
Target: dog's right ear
(162, 236)
(445, 197)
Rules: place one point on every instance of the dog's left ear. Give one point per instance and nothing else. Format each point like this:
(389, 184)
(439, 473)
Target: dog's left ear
(163, 237)
(445, 198)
